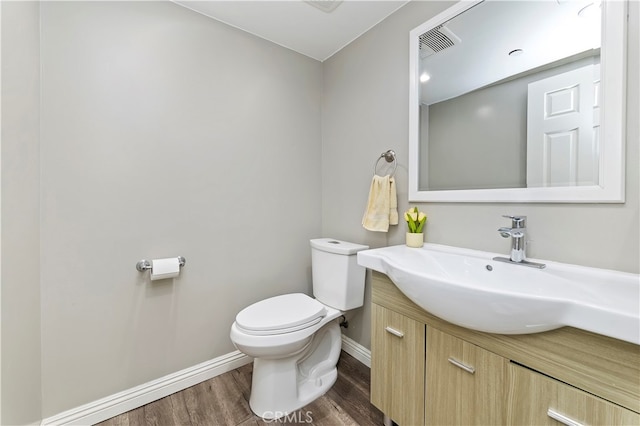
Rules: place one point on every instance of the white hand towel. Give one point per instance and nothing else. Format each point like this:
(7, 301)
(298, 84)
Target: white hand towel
(376, 216)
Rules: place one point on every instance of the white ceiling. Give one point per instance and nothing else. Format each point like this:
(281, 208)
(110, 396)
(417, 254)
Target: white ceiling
(546, 31)
(298, 25)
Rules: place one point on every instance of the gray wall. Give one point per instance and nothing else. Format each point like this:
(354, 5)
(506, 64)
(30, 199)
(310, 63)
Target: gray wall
(165, 133)
(365, 112)
(20, 368)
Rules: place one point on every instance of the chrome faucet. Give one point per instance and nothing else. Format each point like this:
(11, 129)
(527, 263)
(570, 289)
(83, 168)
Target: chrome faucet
(517, 233)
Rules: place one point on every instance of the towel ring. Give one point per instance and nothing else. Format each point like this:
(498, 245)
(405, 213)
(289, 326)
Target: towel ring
(390, 157)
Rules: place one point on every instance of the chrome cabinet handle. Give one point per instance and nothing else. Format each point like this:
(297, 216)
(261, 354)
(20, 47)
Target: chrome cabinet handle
(395, 332)
(562, 418)
(459, 364)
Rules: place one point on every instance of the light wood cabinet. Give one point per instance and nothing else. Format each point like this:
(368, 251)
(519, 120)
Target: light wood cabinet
(425, 370)
(465, 383)
(397, 366)
(535, 399)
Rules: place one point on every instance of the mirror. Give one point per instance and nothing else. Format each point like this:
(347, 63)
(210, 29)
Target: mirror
(518, 101)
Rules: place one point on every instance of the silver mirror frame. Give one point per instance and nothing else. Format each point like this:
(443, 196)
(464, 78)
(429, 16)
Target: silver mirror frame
(612, 155)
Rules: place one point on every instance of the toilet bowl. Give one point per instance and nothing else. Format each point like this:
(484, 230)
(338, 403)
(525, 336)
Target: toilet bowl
(296, 340)
(293, 365)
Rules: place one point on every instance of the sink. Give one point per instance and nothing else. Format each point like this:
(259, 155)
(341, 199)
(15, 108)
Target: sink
(469, 289)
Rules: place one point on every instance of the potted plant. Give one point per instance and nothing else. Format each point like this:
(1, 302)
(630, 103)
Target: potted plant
(415, 224)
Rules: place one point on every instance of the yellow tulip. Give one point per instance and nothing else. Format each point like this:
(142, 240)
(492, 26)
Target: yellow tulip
(415, 219)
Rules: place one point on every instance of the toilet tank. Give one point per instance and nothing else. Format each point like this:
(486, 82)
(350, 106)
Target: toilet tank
(338, 280)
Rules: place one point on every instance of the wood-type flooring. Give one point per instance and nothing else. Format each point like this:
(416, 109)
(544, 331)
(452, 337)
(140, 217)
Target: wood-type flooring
(224, 400)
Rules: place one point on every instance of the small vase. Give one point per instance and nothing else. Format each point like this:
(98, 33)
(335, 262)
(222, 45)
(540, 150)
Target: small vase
(415, 240)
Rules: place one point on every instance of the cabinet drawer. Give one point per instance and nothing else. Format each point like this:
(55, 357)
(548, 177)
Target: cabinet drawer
(536, 399)
(397, 366)
(465, 383)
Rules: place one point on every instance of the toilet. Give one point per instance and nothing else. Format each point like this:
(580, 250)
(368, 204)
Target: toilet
(295, 339)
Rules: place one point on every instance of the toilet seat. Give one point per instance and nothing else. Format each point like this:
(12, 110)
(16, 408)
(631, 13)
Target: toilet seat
(280, 314)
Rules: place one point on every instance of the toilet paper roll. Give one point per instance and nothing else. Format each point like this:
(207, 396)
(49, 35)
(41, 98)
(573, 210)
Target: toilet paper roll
(164, 268)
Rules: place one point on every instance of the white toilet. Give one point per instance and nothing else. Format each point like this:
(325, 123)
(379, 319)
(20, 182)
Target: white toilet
(295, 340)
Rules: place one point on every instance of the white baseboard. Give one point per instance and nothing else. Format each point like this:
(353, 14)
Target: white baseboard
(138, 396)
(105, 408)
(356, 350)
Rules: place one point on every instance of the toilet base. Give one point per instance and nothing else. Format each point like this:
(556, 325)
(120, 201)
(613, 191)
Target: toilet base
(282, 386)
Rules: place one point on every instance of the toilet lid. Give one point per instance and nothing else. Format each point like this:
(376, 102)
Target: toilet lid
(280, 314)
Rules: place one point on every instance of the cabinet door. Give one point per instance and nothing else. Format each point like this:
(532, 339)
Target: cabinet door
(535, 399)
(465, 383)
(397, 366)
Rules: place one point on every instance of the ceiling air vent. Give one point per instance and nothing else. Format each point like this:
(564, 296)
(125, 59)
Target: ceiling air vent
(326, 6)
(436, 40)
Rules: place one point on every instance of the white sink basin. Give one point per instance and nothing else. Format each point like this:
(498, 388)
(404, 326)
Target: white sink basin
(468, 288)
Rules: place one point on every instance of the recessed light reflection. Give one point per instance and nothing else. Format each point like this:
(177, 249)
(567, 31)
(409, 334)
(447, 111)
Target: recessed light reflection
(424, 77)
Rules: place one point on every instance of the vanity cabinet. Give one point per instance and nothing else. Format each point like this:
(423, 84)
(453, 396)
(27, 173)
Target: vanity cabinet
(426, 371)
(397, 388)
(464, 383)
(535, 399)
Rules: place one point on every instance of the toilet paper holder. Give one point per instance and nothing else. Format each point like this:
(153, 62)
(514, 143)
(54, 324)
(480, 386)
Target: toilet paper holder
(145, 265)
